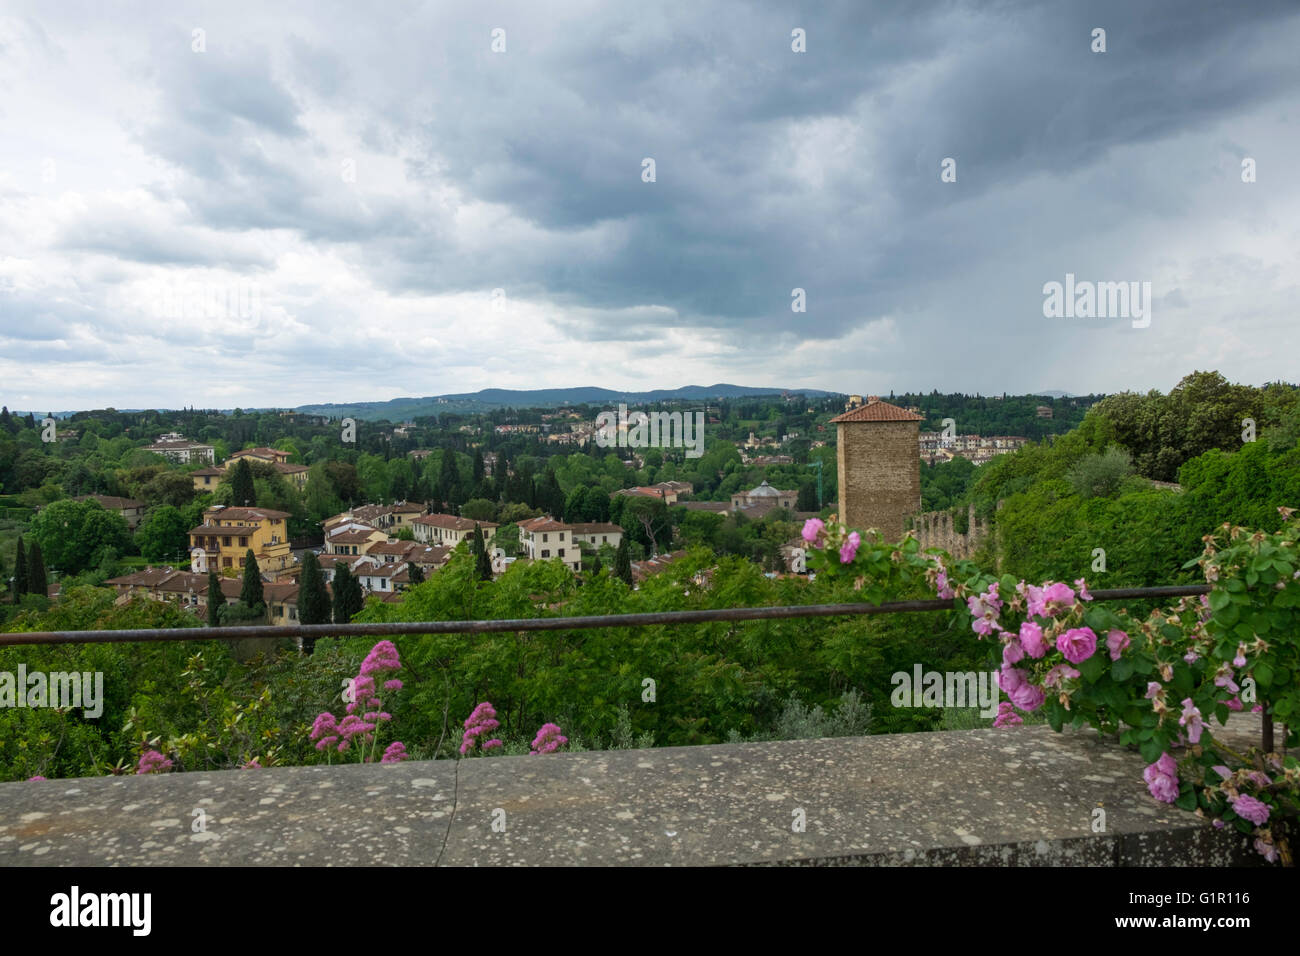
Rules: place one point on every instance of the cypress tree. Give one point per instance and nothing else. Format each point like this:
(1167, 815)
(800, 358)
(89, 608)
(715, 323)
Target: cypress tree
(415, 573)
(36, 582)
(20, 571)
(215, 598)
(348, 599)
(482, 560)
(596, 566)
(251, 594)
(623, 562)
(241, 484)
(479, 469)
(313, 599)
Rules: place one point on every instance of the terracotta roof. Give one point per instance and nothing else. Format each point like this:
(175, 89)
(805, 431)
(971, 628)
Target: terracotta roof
(245, 514)
(351, 537)
(271, 453)
(544, 523)
(208, 471)
(394, 547)
(596, 527)
(452, 522)
(284, 468)
(717, 507)
(877, 411)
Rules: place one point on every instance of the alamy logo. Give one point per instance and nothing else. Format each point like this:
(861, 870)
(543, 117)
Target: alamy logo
(949, 689)
(102, 909)
(1098, 300)
(56, 689)
(653, 430)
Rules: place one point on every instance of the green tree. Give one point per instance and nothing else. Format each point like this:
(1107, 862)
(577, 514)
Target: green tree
(623, 562)
(1100, 475)
(242, 490)
(36, 577)
(415, 573)
(75, 535)
(482, 560)
(479, 509)
(20, 571)
(163, 535)
(215, 598)
(313, 599)
(251, 594)
(348, 599)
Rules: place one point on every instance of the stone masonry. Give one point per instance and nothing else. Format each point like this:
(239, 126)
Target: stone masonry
(879, 468)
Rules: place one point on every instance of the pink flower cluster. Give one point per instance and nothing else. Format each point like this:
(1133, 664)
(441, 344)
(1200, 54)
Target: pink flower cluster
(329, 732)
(151, 761)
(395, 753)
(483, 719)
(1007, 716)
(548, 740)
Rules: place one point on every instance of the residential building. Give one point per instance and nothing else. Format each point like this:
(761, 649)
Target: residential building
(448, 530)
(128, 508)
(175, 447)
(207, 479)
(228, 533)
(597, 533)
(268, 455)
(544, 538)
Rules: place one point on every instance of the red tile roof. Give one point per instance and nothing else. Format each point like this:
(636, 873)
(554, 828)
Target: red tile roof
(877, 411)
(452, 522)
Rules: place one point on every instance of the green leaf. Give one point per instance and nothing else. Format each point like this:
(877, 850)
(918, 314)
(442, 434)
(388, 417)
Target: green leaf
(1092, 668)
(1121, 670)
(1186, 800)
(1263, 674)
(1151, 749)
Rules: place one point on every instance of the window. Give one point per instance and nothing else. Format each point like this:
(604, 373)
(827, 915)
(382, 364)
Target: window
(561, 552)
(604, 538)
(225, 562)
(544, 537)
(225, 540)
(243, 541)
(546, 554)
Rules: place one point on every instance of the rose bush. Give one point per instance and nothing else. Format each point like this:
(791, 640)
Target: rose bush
(1157, 681)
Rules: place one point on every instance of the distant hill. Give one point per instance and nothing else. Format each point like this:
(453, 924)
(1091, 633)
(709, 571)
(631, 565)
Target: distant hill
(401, 409)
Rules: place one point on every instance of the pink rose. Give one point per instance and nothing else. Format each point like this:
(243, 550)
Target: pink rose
(1027, 697)
(1010, 678)
(1248, 808)
(1059, 673)
(1012, 652)
(1162, 779)
(1117, 642)
(814, 529)
(849, 549)
(1031, 638)
(1077, 644)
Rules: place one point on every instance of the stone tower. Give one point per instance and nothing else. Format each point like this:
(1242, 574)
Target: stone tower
(879, 467)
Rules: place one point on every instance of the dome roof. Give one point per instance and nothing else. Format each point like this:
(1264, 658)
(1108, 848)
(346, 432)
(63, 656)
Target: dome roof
(764, 491)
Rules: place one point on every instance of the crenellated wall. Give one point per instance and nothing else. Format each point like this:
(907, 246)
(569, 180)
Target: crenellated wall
(936, 529)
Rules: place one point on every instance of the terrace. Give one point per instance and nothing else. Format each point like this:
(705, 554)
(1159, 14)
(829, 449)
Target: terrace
(1022, 796)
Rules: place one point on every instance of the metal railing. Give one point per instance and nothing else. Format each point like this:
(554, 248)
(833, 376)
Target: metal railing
(541, 623)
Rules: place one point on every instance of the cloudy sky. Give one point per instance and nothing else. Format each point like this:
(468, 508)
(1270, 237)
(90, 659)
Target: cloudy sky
(275, 204)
